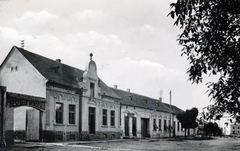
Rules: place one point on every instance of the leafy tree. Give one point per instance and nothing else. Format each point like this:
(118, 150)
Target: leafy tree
(188, 119)
(211, 128)
(211, 41)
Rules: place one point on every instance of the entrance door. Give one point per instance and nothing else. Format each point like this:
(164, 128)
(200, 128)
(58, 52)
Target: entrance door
(144, 127)
(134, 126)
(126, 126)
(91, 120)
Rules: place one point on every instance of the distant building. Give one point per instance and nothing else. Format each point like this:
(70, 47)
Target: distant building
(229, 126)
(72, 104)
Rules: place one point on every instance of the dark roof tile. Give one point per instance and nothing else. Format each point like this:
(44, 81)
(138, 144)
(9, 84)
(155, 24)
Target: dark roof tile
(136, 100)
(60, 73)
(52, 70)
(107, 91)
(69, 76)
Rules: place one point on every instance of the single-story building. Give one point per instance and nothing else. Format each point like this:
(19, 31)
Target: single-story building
(72, 104)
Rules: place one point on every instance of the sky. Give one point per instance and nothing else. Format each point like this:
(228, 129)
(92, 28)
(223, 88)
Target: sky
(133, 43)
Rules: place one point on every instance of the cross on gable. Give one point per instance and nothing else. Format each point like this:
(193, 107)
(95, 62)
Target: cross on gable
(91, 56)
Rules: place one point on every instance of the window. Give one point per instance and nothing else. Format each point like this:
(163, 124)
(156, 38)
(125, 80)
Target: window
(165, 125)
(104, 117)
(177, 126)
(154, 125)
(59, 113)
(71, 114)
(160, 124)
(134, 126)
(112, 118)
(169, 125)
(174, 125)
(92, 87)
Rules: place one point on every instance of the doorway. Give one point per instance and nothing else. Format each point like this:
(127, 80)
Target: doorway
(126, 126)
(134, 126)
(91, 120)
(145, 127)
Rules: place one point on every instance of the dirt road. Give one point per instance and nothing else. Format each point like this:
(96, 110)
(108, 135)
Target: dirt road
(217, 144)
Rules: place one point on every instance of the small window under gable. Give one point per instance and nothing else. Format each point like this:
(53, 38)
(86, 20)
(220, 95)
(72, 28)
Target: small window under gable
(92, 89)
(14, 68)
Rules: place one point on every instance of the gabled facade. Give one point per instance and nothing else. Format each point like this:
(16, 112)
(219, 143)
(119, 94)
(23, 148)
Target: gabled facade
(20, 76)
(76, 105)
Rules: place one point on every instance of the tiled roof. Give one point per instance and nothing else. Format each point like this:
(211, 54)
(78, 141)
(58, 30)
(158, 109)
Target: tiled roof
(17, 96)
(65, 75)
(107, 91)
(136, 100)
(60, 73)
(174, 109)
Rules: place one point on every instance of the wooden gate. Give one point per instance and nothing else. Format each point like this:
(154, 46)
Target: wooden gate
(32, 125)
(10, 101)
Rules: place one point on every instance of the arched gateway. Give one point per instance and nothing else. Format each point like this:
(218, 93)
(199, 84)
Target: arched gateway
(10, 101)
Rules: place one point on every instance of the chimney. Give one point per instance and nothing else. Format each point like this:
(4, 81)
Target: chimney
(115, 86)
(58, 60)
(160, 99)
(128, 90)
(58, 67)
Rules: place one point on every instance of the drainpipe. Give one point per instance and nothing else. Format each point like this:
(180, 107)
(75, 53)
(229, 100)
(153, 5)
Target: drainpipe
(80, 114)
(120, 115)
(170, 126)
(3, 91)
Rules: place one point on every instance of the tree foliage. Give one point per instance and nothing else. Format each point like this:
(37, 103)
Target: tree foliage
(212, 129)
(209, 129)
(211, 41)
(188, 118)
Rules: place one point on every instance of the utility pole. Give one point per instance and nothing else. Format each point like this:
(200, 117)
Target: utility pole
(170, 121)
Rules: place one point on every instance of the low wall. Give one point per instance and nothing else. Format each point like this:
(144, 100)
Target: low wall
(20, 134)
(100, 135)
(55, 136)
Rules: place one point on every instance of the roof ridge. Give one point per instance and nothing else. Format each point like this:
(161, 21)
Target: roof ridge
(52, 70)
(135, 94)
(32, 53)
(60, 73)
(139, 96)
